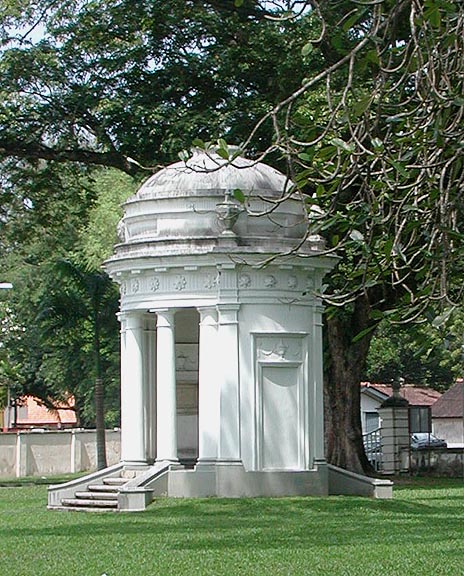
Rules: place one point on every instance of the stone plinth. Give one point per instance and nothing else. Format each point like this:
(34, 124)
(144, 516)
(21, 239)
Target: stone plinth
(394, 436)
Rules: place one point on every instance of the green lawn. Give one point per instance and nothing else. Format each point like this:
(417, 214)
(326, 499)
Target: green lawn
(420, 531)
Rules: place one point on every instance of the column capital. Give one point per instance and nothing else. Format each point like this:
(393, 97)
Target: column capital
(228, 306)
(165, 318)
(228, 313)
(131, 319)
(208, 315)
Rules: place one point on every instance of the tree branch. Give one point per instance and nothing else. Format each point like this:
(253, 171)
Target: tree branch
(35, 151)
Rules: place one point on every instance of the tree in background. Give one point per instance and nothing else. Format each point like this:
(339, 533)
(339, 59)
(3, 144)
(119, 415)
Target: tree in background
(66, 317)
(78, 314)
(111, 80)
(419, 353)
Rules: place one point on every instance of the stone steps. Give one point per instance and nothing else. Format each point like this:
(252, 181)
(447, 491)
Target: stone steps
(91, 503)
(104, 488)
(116, 481)
(90, 495)
(97, 497)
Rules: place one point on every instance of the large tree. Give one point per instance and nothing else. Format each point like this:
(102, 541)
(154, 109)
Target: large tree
(106, 81)
(375, 140)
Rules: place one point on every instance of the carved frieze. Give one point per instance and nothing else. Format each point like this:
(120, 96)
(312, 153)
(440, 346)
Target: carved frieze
(244, 281)
(135, 286)
(270, 281)
(211, 281)
(292, 281)
(279, 348)
(180, 282)
(196, 280)
(154, 284)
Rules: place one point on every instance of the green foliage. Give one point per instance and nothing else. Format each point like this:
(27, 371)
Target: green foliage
(117, 79)
(418, 353)
(3, 396)
(377, 146)
(99, 234)
(48, 333)
(78, 314)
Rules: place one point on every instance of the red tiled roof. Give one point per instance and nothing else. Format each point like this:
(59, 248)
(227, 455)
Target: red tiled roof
(39, 415)
(415, 395)
(451, 404)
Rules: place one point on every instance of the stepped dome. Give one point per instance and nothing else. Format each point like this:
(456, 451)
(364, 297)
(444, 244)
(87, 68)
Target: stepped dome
(209, 171)
(190, 207)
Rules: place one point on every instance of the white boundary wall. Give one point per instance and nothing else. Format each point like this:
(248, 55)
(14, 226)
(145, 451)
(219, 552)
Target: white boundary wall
(53, 452)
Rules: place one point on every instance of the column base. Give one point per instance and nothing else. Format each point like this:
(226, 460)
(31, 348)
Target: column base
(136, 463)
(206, 464)
(171, 461)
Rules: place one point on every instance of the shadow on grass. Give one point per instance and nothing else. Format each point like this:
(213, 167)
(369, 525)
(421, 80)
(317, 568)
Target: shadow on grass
(285, 523)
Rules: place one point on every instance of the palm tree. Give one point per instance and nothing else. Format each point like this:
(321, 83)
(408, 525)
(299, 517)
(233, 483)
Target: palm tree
(84, 298)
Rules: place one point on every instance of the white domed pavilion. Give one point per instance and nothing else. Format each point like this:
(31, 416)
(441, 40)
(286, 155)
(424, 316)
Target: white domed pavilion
(221, 329)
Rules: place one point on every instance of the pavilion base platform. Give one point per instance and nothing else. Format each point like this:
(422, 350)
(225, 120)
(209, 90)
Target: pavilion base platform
(343, 482)
(132, 487)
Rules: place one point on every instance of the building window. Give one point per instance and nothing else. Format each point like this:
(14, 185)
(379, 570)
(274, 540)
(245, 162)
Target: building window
(371, 422)
(420, 419)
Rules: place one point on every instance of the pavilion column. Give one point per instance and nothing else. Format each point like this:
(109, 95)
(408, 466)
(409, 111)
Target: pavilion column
(150, 384)
(166, 437)
(316, 408)
(208, 387)
(227, 361)
(133, 416)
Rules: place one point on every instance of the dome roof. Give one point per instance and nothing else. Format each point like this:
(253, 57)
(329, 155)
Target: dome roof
(208, 171)
(189, 208)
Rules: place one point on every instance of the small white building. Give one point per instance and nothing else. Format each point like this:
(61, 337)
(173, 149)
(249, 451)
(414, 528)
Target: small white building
(448, 416)
(420, 398)
(221, 337)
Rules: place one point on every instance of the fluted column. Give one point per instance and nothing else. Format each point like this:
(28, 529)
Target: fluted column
(133, 418)
(316, 409)
(227, 360)
(150, 384)
(208, 387)
(166, 437)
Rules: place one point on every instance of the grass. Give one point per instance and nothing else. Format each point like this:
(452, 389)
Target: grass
(38, 480)
(420, 531)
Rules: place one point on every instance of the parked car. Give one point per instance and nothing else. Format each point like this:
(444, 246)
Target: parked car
(421, 440)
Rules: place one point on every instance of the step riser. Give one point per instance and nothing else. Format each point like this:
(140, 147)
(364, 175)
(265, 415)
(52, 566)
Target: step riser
(96, 496)
(89, 503)
(115, 481)
(103, 488)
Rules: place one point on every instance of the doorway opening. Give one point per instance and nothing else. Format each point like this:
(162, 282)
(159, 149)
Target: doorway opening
(187, 351)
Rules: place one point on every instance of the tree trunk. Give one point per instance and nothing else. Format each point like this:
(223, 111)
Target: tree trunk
(343, 371)
(100, 423)
(99, 396)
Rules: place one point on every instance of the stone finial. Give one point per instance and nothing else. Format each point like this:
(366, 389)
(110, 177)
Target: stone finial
(395, 399)
(228, 212)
